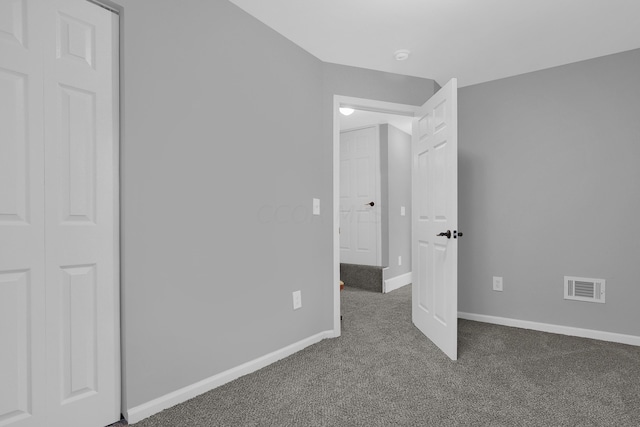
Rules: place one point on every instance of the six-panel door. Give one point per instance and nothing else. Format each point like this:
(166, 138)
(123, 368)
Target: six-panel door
(359, 186)
(435, 212)
(58, 214)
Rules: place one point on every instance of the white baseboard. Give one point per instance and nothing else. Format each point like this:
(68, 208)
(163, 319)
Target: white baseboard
(397, 282)
(555, 329)
(154, 406)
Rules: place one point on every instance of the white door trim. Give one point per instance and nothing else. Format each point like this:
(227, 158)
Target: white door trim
(360, 104)
(117, 132)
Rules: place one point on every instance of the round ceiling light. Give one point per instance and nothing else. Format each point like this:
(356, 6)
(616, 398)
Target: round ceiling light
(401, 55)
(346, 111)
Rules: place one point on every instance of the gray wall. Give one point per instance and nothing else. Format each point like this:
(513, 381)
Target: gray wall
(222, 134)
(399, 189)
(227, 137)
(549, 169)
(369, 84)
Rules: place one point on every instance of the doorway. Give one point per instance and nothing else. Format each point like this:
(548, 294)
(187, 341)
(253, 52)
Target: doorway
(378, 110)
(375, 200)
(59, 214)
(434, 201)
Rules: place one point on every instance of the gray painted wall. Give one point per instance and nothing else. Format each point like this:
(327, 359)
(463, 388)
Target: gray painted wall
(370, 84)
(399, 194)
(227, 137)
(549, 168)
(217, 184)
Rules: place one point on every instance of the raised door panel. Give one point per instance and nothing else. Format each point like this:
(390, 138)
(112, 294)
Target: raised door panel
(13, 22)
(78, 331)
(76, 40)
(16, 391)
(77, 145)
(422, 185)
(439, 177)
(439, 283)
(423, 284)
(14, 150)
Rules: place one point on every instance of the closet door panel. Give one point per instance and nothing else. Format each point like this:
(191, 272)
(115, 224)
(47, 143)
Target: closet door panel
(80, 99)
(22, 271)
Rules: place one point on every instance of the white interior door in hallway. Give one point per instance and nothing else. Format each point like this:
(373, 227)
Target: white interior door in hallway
(360, 225)
(59, 249)
(435, 219)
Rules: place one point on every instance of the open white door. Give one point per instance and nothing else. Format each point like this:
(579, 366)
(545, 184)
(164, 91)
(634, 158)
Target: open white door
(435, 219)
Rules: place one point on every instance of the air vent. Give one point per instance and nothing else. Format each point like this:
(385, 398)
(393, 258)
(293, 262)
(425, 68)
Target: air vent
(583, 289)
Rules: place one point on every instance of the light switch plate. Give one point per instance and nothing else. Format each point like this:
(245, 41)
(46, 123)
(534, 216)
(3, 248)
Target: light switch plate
(497, 284)
(402, 211)
(297, 300)
(316, 206)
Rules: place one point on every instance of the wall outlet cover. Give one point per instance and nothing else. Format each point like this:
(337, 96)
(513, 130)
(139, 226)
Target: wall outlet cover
(497, 284)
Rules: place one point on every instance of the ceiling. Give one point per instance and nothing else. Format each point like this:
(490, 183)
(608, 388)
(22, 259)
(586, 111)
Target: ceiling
(473, 40)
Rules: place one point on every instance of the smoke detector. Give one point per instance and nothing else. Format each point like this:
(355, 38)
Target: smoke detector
(402, 54)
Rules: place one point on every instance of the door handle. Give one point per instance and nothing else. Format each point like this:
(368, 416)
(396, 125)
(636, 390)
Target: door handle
(370, 204)
(447, 234)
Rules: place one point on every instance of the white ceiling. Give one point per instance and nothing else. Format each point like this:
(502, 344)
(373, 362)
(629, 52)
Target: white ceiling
(361, 118)
(473, 40)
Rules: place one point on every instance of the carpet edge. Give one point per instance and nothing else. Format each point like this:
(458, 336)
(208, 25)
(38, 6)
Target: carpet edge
(554, 329)
(145, 410)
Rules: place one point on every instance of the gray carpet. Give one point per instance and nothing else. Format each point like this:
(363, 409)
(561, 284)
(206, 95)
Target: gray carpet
(383, 372)
(367, 277)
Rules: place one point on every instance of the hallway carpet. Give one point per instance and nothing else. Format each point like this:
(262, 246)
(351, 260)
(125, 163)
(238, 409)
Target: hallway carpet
(383, 372)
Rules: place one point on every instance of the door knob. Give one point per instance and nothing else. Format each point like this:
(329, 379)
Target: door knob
(447, 234)
(370, 204)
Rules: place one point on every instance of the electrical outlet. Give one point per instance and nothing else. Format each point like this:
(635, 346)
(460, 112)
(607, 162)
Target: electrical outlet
(399, 259)
(497, 284)
(316, 206)
(297, 300)
(402, 211)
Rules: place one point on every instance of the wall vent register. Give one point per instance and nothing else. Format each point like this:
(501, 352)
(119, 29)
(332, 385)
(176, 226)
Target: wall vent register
(584, 289)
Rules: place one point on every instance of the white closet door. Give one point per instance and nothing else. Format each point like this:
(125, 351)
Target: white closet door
(59, 349)
(360, 225)
(22, 277)
(80, 104)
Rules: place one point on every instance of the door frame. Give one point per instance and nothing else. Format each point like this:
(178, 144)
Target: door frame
(358, 104)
